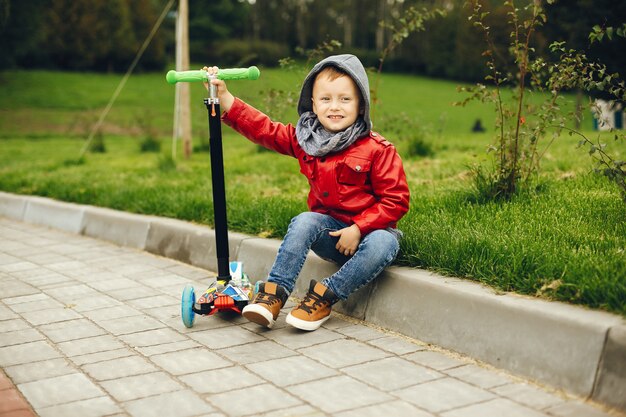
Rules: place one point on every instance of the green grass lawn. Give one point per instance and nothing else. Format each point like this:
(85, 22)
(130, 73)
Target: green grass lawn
(566, 242)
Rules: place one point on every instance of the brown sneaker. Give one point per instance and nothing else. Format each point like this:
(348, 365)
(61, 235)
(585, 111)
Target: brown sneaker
(266, 304)
(314, 310)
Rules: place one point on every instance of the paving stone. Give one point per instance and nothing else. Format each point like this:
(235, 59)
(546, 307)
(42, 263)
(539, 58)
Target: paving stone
(167, 347)
(256, 352)
(133, 266)
(221, 380)
(443, 394)
(575, 409)
(119, 368)
(152, 273)
(395, 345)
(528, 395)
(295, 339)
(59, 390)
(44, 258)
(6, 313)
(152, 337)
(170, 316)
(52, 315)
(291, 370)
(179, 403)
(253, 400)
(481, 377)
(19, 337)
(15, 267)
(50, 280)
(70, 293)
(435, 360)
(33, 371)
(112, 313)
(65, 267)
(189, 361)
(34, 302)
(225, 337)
(494, 408)
(154, 301)
(96, 302)
(16, 288)
(167, 280)
(339, 393)
(361, 332)
(391, 409)
(140, 386)
(6, 258)
(131, 324)
(300, 411)
(391, 373)
(188, 271)
(138, 292)
(28, 275)
(71, 330)
(342, 353)
(26, 353)
(13, 325)
(93, 407)
(101, 356)
(90, 345)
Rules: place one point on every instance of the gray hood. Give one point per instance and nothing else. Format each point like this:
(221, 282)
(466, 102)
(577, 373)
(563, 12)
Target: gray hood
(349, 64)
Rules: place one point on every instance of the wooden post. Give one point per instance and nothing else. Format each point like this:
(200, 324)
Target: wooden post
(182, 112)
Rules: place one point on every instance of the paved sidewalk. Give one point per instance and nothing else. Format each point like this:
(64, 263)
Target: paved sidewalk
(88, 328)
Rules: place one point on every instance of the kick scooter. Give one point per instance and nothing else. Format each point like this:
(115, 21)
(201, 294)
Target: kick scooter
(230, 290)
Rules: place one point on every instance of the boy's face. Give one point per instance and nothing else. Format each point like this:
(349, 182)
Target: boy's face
(335, 102)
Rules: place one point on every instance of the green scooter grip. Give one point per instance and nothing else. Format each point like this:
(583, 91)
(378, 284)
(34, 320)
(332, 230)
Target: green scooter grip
(250, 73)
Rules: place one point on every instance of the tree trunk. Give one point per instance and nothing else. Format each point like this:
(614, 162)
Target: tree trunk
(380, 31)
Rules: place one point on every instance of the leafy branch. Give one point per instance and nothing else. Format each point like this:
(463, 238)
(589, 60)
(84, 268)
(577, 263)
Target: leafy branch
(413, 20)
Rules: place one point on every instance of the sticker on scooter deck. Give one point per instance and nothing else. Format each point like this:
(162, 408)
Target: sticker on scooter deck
(221, 295)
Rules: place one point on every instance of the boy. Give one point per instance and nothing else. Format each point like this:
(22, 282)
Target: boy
(358, 190)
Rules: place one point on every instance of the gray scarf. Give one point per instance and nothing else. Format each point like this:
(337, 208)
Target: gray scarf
(317, 141)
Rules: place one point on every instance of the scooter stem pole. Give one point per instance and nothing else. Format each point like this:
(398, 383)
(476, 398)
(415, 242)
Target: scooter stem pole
(219, 189)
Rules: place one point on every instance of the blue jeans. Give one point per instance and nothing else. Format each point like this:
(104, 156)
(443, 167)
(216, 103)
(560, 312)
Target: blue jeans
(310, 231)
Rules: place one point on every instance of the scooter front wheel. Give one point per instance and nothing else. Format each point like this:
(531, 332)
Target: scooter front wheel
(186, 308)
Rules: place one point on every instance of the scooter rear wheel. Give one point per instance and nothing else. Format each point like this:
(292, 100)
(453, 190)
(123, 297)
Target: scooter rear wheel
(186, 309)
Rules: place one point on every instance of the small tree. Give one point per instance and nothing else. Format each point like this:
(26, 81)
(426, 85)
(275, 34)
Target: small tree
(575, 70)
(520, 126)
(516, 145)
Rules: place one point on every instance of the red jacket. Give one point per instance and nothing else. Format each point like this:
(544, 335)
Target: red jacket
(363, 184)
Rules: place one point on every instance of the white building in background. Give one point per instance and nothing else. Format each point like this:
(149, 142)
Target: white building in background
(608, 115)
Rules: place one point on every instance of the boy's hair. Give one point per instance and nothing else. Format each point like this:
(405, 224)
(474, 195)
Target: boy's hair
(332, 73)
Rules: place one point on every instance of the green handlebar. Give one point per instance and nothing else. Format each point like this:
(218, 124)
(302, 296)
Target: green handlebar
(251, 73)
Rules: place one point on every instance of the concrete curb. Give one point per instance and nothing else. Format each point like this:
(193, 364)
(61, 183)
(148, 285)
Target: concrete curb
(567, 347)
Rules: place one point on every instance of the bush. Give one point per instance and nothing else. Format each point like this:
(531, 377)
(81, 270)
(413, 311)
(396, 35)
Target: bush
(97, 145)
(408, 134)
(150, 144)
(239, 53)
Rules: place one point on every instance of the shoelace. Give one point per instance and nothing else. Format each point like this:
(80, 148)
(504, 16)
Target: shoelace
(316, 299)
(266, 298)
